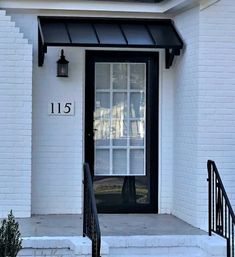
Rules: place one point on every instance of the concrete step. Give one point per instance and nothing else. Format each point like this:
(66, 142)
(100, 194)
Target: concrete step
(166, 246)
(162, 252)
(126, 246)
(51, 246)
(188, 254)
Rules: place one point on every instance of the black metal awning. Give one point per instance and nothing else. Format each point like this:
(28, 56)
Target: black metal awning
(108, 32)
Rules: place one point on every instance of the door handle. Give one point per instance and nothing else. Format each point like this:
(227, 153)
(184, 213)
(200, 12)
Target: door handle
(90, 134)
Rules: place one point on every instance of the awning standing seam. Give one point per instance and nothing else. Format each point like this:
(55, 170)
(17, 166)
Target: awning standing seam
(103, 32)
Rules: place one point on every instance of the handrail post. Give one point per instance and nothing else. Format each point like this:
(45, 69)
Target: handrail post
(209, 197)
(228, 247)
(84, 203)
(91, 226)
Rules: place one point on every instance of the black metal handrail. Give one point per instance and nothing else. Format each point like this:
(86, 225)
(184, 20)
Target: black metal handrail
(221, 215)
(91, 226)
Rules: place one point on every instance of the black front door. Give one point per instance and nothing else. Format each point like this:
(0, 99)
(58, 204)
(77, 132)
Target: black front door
(121, 129)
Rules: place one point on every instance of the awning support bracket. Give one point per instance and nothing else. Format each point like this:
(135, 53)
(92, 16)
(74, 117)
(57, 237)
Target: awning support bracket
(42, 49)
(170, 55)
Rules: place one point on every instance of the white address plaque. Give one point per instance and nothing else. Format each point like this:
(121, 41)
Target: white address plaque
(61, 108)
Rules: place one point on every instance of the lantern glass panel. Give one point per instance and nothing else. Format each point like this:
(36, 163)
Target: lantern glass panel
(62, 70)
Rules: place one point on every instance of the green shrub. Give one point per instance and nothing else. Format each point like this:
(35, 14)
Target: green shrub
(10, 241)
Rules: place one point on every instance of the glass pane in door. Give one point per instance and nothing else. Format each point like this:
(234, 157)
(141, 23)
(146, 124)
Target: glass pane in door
(120, 179)
(119, 118)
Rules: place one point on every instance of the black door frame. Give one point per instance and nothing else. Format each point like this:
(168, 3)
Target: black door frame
(152, 111)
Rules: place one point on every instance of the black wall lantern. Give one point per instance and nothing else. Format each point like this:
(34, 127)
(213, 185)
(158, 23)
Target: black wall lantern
(62, 66)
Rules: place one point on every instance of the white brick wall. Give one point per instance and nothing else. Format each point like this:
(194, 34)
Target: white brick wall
(15, 119)
(204, 107)
(58, 140)
(166, 138)
(57, 145)
(216, 105)
(185, 119)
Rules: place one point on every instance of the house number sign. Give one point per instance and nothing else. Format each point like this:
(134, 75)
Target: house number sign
(61, 108)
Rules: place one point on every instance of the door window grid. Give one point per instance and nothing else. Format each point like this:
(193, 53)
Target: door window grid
(130, 149)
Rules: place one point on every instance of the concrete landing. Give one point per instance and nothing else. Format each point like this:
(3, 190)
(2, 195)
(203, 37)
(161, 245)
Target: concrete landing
(110, 224)
(145, 224)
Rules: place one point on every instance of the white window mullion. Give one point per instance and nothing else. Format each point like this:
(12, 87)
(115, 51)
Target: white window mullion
(111, 123)
(128, 119)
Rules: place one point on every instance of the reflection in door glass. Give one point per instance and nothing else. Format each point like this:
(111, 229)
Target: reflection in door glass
(119, 109)
(119, 161)
(102, 75)
(102, 132)
(102, 105)
(136, 161)
(102, 161)
(119, 133)
(119, 76)
(121, 191)
(137, 131)
(137, 76)
(137, 105)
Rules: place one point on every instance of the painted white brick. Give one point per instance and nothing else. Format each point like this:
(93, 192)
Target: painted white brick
(167, 135)
(185, 119)
(21, 41)
(15, 127)
(204, 107)
(58, 141)
(2, 12)
(3, 17)
(6, 23)
(9, 29)
(216, 75)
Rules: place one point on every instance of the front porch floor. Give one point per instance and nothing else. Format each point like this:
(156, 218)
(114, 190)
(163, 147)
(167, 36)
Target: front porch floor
(110, 225)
